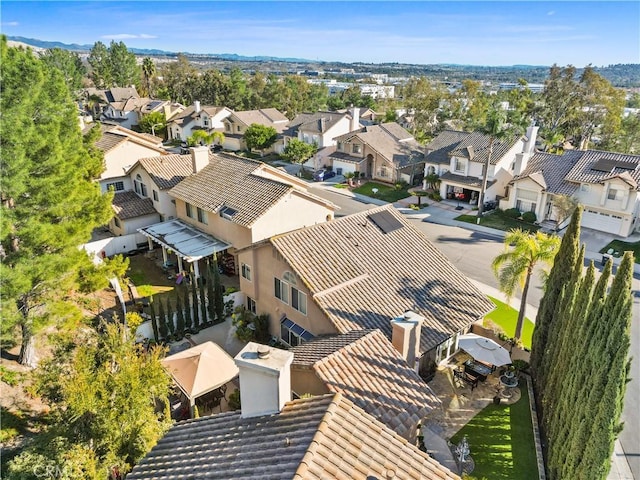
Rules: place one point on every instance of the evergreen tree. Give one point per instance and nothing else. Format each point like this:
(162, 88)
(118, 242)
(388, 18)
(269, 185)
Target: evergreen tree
(560, 274)
(180, 323)
(194, 302)
(98, 59)
(211, 311)
(154, 321)
(188, 319)
(162, 322)
(171, 325)
(218, 299)
(45, 168)
(203, 302)
(124, 68)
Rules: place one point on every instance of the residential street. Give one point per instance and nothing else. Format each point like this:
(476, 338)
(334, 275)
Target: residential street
(472, 252)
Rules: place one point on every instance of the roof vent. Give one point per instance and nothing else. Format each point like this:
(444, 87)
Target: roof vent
(263, 351)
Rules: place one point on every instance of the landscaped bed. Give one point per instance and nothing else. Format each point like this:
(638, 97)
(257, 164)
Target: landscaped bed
(499, 222)
(506, 317)
(388, 193)
(501, 441)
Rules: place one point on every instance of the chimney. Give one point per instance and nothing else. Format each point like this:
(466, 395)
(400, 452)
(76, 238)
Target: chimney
(196, 106)
(355, 119)
(520, 163)
(530, 144)
(265, 379)
(405, 335)
(199, 157)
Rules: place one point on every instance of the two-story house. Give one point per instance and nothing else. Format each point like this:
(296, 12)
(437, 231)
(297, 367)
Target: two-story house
(321, 129)
(236, 124)
(459, 159)
(385, 152)
(605, 183)
(122, 148)
(196, 117)
(229, 203)
(361, 271)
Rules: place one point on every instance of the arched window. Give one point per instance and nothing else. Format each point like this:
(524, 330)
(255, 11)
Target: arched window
(139, 187)
(290, 278)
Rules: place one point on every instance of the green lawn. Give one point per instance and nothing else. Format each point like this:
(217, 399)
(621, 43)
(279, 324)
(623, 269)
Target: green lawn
(388, 193)
(499, 222)
(501, 441)
(146, 283)
(620, 247)
(506, 318)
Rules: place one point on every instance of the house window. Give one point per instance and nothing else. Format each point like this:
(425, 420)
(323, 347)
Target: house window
(227, 127)
(356, 148)
(383, 171)
(246, 271)
(238, 128)
(584, 187)
(206, 122)
(281, 290)
(115, 186)
(293, 334)
(116, 222)
(189, 209)
(202, 215)
(458, 165)
(299, 300)
(227, 213)
(525, 206)
(251, 305)
(155, 196)
(612, 194)
(139, 187)
(340, 146)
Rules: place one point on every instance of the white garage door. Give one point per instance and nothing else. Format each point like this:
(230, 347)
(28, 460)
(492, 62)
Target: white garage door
(601, 221)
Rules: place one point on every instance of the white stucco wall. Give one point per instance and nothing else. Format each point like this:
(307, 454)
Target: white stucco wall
(164, 206)
(132, 225)
(123, 156)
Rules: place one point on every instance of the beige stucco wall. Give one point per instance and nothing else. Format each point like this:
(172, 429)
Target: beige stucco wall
(305, 380)
(164, 205)
(266, 264)
(123, 156)
(132, 225)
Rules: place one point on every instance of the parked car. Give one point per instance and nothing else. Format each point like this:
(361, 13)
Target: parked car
(323, 174)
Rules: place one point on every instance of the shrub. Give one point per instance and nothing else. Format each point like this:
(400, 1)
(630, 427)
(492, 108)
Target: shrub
(521, 365)
(261, 323)
(435, 196)
(234, 400)
(529, 217)
(512, 213)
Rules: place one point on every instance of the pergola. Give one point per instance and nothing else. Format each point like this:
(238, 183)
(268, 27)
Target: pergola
(200, 370)
(188, 243)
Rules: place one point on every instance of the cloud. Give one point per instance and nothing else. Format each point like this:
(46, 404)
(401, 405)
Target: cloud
(551, 12)
(128, 36)
(9, 24)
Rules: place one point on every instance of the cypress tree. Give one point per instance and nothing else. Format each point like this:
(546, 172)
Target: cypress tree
(560, 274)
(203, 303)
(194, 301)
(180, 324)
(154, 320)
(171, 326)
(188, 322)
(210, 290)
(218, 294)
(162, 322)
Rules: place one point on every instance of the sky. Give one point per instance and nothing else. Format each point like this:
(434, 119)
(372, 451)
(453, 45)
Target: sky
(422, 32)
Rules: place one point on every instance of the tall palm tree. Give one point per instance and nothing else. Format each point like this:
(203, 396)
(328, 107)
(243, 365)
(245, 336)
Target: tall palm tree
(513, 267)
(148, 71)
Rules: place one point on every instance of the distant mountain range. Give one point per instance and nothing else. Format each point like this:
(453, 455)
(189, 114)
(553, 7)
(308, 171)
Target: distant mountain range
(146, 51)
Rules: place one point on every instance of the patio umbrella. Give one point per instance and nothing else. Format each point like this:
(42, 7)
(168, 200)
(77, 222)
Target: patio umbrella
(484, 349)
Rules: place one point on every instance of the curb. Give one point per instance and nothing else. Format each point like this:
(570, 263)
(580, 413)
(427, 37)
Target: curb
(536, 431)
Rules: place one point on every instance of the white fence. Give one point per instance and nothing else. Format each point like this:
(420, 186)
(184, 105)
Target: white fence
(111, 246)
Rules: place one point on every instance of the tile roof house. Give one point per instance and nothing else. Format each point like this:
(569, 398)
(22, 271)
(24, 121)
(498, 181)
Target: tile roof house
(153, 177)
(361, 272)
(131, 212)
(238, 202)
(236, 124)
(385, 152)
(365, 367)
(321, 128)
(458, 158)
(273, 437)
(122, 148)
(605, 183)
(196, 117)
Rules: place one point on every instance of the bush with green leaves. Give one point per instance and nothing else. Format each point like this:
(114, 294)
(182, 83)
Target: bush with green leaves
(234, 400)
(243, 320)
(529, 217)
(512, 213)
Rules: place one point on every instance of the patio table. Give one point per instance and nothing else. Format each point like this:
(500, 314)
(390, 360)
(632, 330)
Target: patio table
(477, 369)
